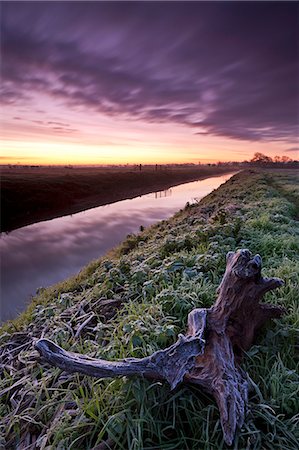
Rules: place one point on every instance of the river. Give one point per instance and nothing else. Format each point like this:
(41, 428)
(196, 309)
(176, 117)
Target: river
(45, 253)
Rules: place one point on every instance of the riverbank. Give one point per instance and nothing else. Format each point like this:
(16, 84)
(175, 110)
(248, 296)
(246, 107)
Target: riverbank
(137, 298)
(64, 245)
(30, 195)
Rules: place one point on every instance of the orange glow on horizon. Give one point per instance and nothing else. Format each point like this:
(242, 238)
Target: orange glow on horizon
(82, 87)
(54, 153)
(97, 139)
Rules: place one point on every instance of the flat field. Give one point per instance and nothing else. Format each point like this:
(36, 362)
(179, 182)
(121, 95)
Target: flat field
(140, 295)
(29, 195)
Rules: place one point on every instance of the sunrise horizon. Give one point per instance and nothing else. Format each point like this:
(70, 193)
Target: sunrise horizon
(147, 83)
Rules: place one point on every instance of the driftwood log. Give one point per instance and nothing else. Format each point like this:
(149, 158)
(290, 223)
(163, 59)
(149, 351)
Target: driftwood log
(209, 354)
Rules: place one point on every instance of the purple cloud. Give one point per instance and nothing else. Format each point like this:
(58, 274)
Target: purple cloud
(224, 69)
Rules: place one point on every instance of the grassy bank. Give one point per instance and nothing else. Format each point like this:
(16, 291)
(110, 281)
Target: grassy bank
(29, 195)
(137, 298)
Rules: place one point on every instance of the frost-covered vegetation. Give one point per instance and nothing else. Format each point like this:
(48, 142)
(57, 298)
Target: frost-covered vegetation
(135, 301)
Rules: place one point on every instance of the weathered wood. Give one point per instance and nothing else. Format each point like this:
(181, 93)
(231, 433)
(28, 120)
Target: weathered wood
(210, 353)
(170, 364)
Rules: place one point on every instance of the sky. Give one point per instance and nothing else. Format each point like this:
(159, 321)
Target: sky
(148, 82)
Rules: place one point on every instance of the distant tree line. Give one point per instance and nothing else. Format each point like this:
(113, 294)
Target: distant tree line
(264, 159)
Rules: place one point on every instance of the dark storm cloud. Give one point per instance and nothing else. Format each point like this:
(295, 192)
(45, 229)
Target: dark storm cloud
(226, 69)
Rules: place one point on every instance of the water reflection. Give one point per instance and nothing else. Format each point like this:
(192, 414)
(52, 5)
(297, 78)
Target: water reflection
(165, 193)
(48, 252)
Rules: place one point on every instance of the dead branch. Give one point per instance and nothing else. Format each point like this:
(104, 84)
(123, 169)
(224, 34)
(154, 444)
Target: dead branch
(210, 353)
